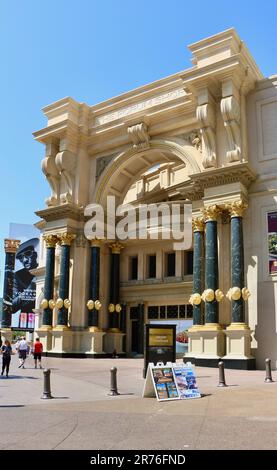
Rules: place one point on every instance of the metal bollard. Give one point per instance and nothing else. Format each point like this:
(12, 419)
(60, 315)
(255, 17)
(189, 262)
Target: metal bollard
(46, 385)
(114, 390)
(268, 377)
(222, 382)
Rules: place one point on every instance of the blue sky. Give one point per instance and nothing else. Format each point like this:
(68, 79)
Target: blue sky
(93, 50)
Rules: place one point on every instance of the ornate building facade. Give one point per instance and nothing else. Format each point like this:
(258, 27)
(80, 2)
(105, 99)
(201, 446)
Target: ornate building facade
(205, 136)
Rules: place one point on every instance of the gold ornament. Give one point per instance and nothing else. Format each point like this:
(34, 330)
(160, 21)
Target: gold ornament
(208, 295)
(97, 304)
(67, 303)
(11, 246)
(238, 208)
(59, 303)
(245, 293)
(219, 295)
(195, 299)
(198, 224)
(66, 238)
(116, 247)
(111, 308)
(90, 304)
(50, 240)
(118, 308)
(211, 213)
(52, 304)
(236, 293)
(44, 303)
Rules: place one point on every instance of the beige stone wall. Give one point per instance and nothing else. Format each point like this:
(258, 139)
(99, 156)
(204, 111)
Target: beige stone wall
(262, 305)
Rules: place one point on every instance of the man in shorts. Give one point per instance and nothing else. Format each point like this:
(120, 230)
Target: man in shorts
(38, 348)
(22, 348)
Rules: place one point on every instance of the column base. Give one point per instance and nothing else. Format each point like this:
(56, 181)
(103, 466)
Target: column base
(91, 341)
(113, 341)
(195, 344)
(241, 364)
(6, 334)
(62, 339)
(45, 335)
(238, 342)
(206, 341)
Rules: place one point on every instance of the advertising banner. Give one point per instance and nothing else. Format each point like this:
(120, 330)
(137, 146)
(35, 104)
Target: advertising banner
(182, 327)
(159, 344)
(24, 287)
(171, 381)
(272, 242)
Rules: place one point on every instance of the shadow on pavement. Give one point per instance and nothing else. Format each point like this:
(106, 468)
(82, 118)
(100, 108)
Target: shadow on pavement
(12, 406)
(19, 377)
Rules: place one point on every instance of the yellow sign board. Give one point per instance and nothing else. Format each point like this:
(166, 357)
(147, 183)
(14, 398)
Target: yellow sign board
(160, 337)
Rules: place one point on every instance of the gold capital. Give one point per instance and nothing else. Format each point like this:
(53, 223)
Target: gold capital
(211, 213)
(237, 208)
(96, 242)
(66, 238)
(198, 224)
(50, 240)
(116, 247)
(11, 245)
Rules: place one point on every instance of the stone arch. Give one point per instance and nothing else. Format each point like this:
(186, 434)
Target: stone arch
(125, 163)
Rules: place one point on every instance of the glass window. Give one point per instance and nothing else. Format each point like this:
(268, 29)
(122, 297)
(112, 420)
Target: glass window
(182, 311)
(188, 262)
(189, 311)
(153, 312)
(162, 311)
(151, 266)
(133, 268)
(172, 311)
(134, 314)
(170, 264)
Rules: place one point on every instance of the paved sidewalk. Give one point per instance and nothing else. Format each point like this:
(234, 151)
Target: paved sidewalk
(83, 416)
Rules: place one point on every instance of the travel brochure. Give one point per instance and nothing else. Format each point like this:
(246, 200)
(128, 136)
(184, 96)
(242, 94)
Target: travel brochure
(175, 382)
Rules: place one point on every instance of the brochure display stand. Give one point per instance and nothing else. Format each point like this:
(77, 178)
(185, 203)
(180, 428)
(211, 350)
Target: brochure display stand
(171, 381)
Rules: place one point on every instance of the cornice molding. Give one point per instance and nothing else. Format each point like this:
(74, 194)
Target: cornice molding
(63, 211)
(239, 172)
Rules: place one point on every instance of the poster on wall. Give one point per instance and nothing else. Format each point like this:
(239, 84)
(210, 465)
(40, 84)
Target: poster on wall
(182, 327)
(272, 242)
(24, 286)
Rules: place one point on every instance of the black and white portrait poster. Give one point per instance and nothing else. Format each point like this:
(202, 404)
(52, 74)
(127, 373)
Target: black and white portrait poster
(24, 286)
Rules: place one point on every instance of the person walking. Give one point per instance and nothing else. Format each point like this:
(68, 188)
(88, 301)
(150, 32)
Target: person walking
(6, 351)
(38, 348)
(22, 352)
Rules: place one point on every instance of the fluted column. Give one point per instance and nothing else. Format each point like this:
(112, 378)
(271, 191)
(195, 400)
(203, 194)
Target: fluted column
(94, 285)
(10, 249)
(211, 265)
(115, 307)
(238, 292)
(198, 269)
(63, 302)
(48, 303)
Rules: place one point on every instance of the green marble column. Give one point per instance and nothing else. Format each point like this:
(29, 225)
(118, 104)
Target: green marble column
(10, 248)
(50, 240)
(114, 286)
(65, 240)
(198, 267)
(211, 262)
(237, 259)
(94, 281)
